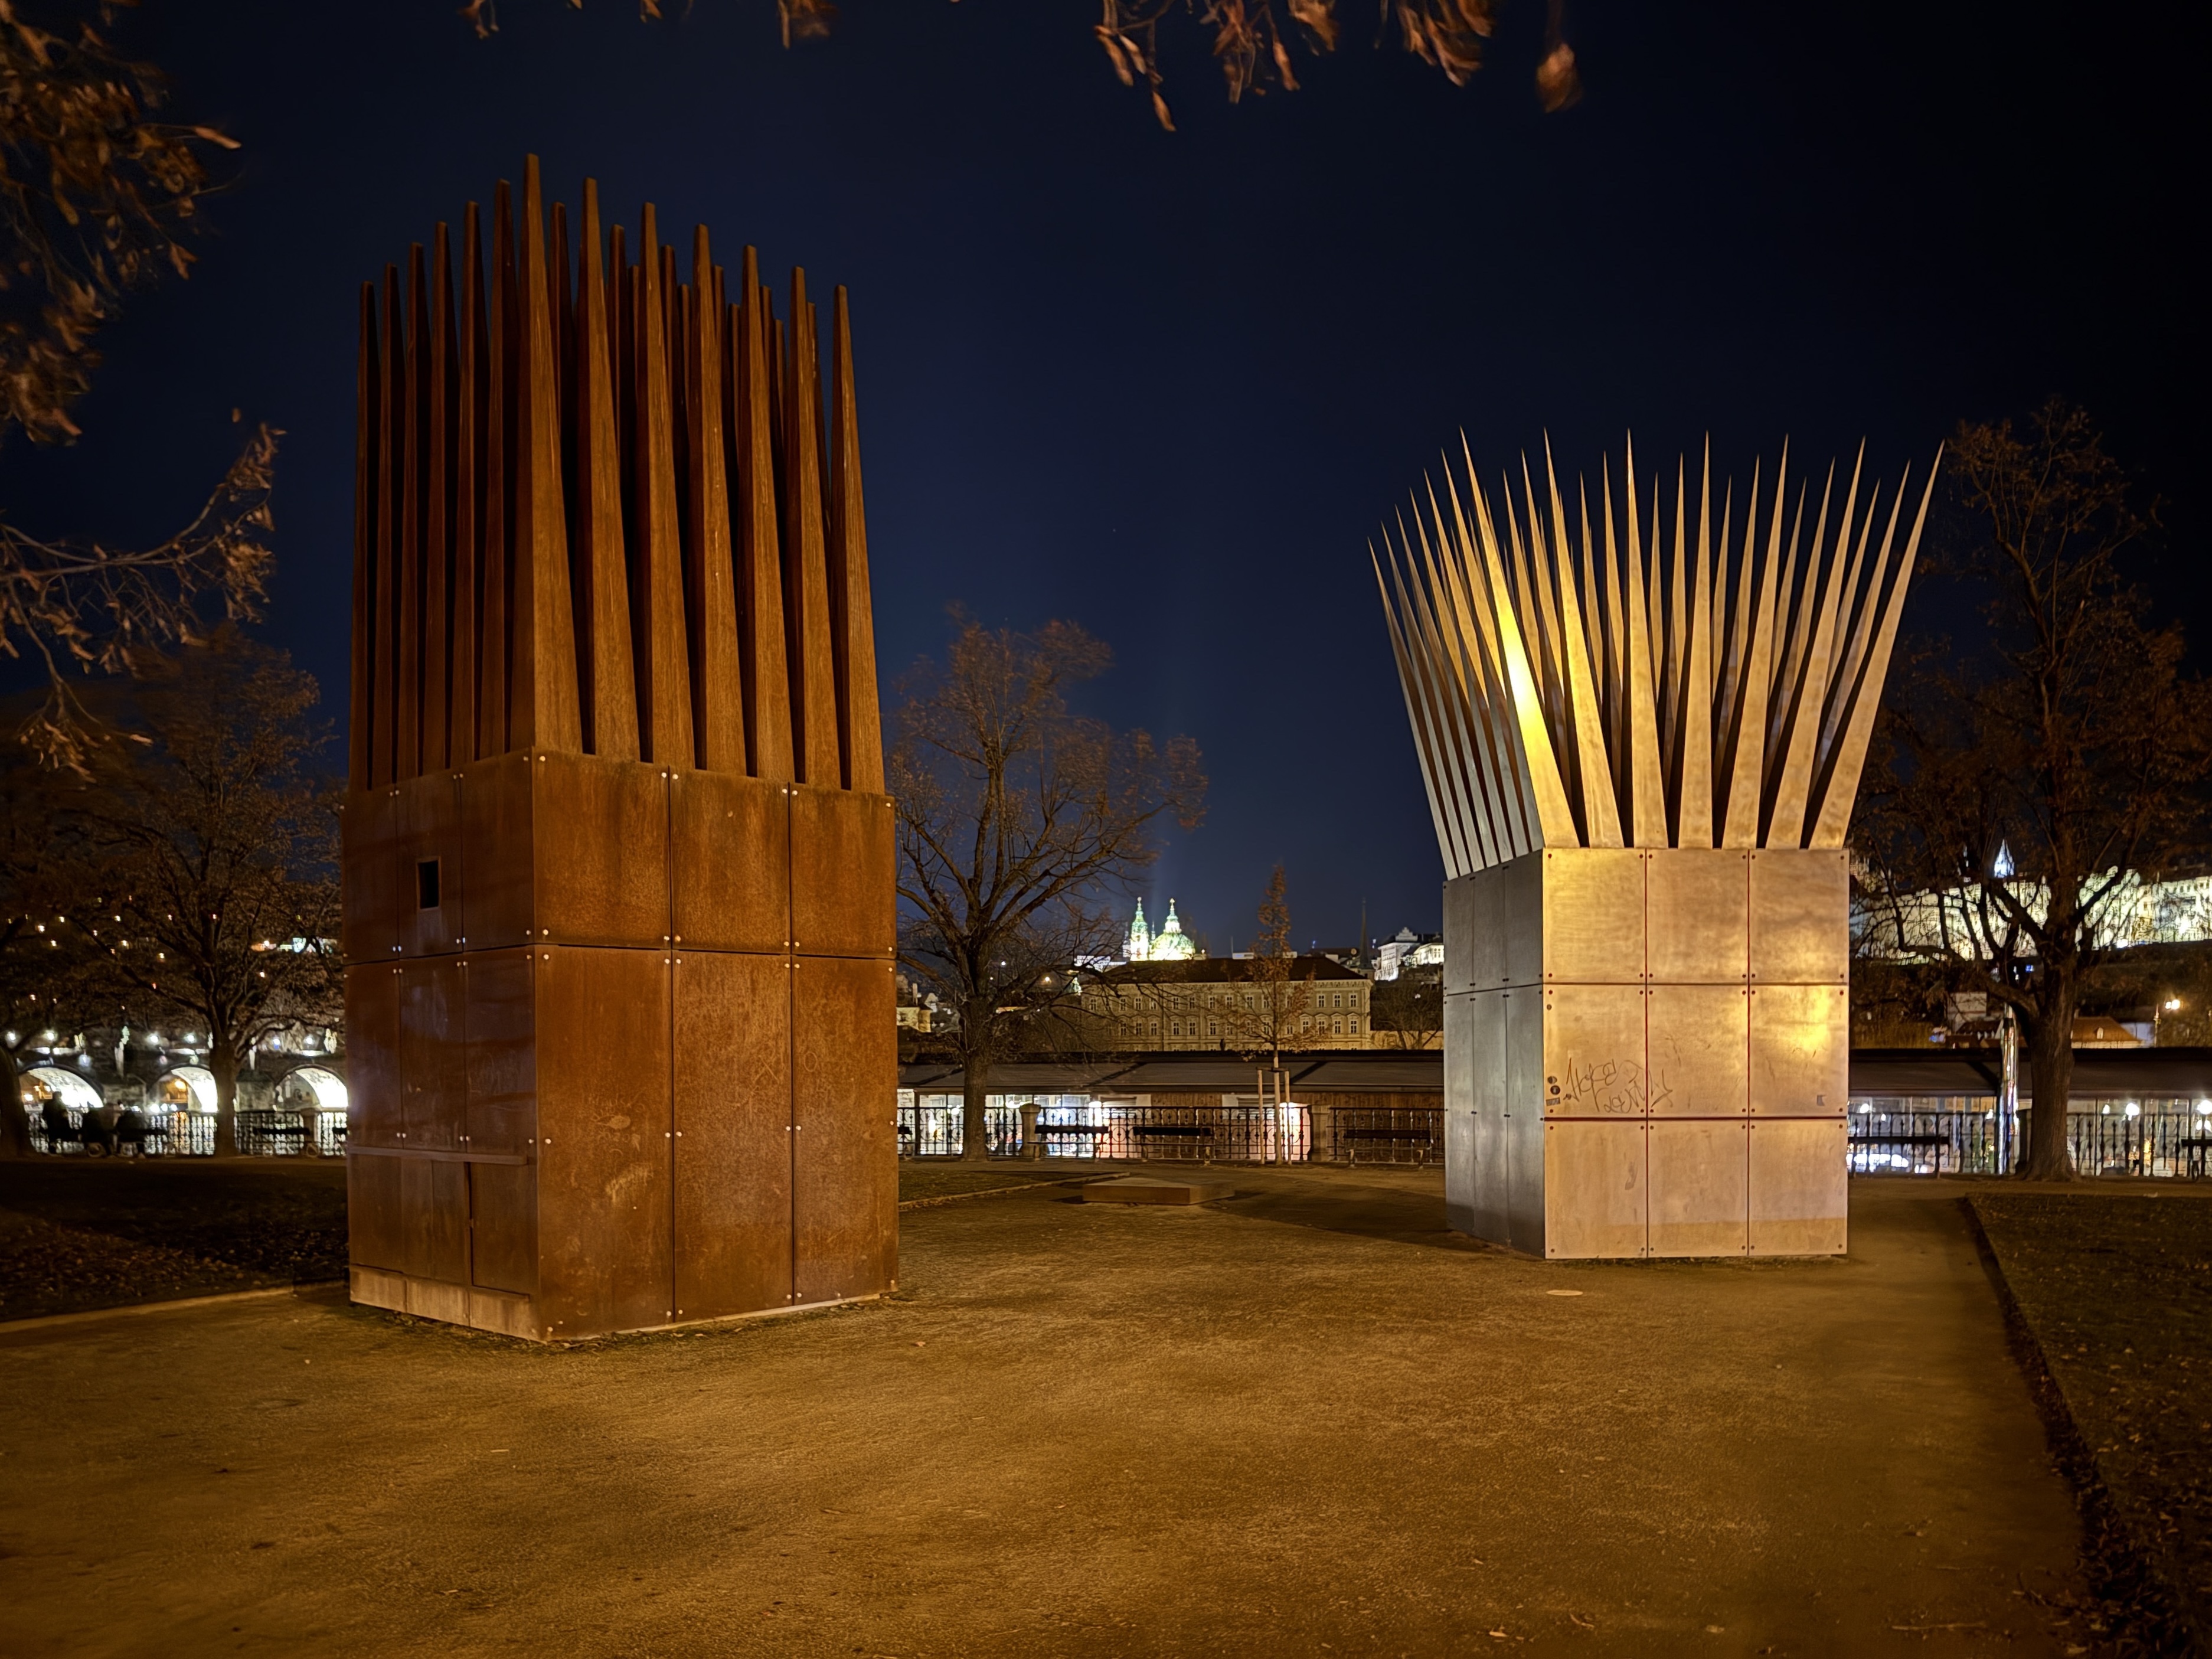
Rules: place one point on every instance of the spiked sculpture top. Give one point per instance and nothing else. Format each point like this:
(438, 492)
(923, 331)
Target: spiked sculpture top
(1629, 698)
(605, 521)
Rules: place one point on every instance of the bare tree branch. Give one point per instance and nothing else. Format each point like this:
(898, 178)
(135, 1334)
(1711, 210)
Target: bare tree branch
(1019, 821)
(2026, 785)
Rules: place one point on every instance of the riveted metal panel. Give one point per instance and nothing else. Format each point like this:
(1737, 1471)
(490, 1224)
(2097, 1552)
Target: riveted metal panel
(375, 1236)
(1695, 915)
(1800, 1196)
(1492, 1058)
(844, 1097)
(729, 848)
(1593, 915)
(1697, 1041)
(1799, 1050)
(842, 875)
(430, 832)
(734, 1153)
(369, 876)
(501, 1051)
(434, 1213)
(1594, 1051)
(604, 1140)
(1594, 1187)
(1697, 1177)
(1519, 898)
(372, 1081)
(1521, 1125)
(601, 829)
(1801, 902)
(503, 1227)
(1469, 1048)
(498, 883)
(1475, 949)
(432, 1069)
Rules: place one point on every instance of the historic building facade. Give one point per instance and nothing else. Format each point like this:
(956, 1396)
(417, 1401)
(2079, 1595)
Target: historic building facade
(1217, 1003)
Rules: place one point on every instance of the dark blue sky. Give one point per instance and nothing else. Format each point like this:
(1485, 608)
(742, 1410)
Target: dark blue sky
(1165, 384)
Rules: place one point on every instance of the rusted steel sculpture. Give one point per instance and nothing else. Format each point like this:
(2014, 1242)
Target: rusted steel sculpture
(1641, 758)
(618, 883)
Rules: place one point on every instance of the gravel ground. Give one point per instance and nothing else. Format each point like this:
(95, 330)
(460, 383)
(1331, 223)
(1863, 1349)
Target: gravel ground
(83, 1233)
(951, 1180)
(1301, 1422)
(2116, 1296)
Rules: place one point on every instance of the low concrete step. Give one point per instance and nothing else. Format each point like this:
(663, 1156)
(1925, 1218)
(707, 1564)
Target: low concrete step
(1151, 1189)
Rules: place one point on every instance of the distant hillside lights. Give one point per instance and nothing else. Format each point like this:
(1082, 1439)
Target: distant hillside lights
(2139, 911)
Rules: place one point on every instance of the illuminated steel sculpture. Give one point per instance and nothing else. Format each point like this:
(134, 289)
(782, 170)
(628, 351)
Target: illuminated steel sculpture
(1641, 753)
(618, 860)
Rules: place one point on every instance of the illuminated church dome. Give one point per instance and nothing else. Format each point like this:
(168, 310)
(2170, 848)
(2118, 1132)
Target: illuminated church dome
(1170, 945)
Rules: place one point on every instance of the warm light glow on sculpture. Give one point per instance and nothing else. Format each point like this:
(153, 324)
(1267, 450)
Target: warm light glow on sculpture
(1648, 691)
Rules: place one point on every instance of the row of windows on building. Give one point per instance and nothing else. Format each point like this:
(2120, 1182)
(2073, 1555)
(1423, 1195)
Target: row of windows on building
(1308, 1024)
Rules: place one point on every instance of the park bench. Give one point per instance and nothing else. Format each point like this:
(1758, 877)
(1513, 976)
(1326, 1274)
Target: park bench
(1934, 1143)
(1175, 1141)
(1422, 1140)
(2192, 1152)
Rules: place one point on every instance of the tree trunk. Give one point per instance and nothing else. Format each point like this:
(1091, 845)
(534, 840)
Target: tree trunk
(975, 1124)
(2051, 1053)
(223, 1063)
(15, 1122)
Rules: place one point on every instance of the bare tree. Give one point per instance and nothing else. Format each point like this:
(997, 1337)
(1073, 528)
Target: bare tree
(210, 854)
(2026, 784)
(96, 197)
(1276, 1006)
(1408, 1011)
(42, 978)
(1251, 42)
(1019, 821)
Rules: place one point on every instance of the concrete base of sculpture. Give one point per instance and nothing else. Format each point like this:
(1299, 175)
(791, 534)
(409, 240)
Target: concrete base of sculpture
(1646, 1052)
(1150, 1189)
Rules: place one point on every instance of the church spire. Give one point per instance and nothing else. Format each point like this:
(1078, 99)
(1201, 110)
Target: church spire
(1139, 945)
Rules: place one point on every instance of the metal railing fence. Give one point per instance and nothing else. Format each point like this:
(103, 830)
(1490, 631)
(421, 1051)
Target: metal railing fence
(2162, 1139)
(1386, 1134)
(167, 1131)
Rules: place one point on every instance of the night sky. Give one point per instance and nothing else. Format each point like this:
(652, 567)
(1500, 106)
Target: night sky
(1165, 384)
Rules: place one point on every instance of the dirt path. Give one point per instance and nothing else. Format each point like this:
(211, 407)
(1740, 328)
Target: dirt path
(1081, 1429)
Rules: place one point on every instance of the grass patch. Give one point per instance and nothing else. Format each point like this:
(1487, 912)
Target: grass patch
(83, 1233)
(2115, 1293)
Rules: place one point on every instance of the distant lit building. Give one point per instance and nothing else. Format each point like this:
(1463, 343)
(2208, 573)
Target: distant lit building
(1408, 950)
(1212, 1002)
(1171, 944)
(2172, 911)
